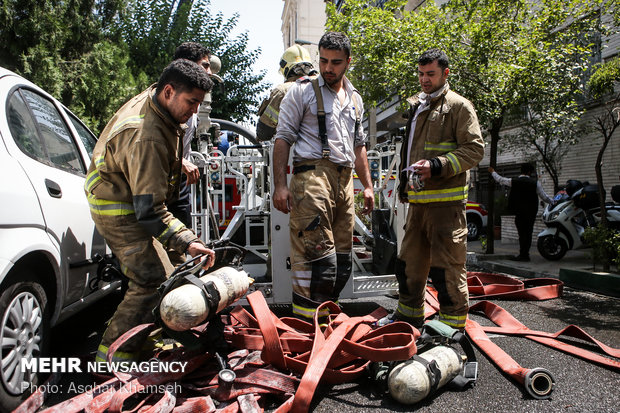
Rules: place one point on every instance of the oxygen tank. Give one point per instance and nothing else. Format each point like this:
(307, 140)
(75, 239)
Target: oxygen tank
(410, 382)
(185, 306)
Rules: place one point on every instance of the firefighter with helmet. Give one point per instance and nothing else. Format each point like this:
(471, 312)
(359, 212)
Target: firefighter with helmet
(295, 63)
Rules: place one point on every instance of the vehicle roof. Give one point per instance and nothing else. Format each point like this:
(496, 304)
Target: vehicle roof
(22, 80)
(6, 72)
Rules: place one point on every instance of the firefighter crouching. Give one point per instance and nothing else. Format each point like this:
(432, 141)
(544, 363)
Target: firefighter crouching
(134, 173)
(442, 142)
(295, 63)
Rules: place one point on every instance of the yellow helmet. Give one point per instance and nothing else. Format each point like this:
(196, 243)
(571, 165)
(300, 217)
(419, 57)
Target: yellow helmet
(291, 57)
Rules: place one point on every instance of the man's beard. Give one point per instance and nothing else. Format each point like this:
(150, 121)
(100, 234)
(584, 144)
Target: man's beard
(332, 81)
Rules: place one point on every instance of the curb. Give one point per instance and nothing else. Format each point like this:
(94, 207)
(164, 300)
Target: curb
(597, 282)
(486, 262)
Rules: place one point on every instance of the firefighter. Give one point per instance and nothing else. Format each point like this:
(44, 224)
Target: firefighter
(135, 171)
(321, 117)
(295, 63)
(181, 208)
(442, 142)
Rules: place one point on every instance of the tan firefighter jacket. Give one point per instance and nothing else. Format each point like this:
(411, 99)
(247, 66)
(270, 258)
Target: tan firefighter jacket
(136, 169)
(450, 133)
(269, 110)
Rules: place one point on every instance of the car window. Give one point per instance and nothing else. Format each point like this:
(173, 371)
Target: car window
(87, 138)
(23, 128)
(55, 135)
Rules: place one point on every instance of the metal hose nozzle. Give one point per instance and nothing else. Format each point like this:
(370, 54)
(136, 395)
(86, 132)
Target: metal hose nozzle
(539, 383)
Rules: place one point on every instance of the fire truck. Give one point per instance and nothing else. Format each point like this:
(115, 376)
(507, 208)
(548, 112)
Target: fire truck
(232, 202)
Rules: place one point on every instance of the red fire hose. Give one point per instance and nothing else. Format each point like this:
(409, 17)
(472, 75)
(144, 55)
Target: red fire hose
(538, 382)
(337, 353)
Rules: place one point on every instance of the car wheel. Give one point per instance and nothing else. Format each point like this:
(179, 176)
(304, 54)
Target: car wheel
(551, 247)
(474, 227)
(24, 325)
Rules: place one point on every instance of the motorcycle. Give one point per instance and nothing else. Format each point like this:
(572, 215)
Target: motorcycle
(576, 209)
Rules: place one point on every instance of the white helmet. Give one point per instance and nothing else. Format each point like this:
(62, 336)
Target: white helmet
(291, 57)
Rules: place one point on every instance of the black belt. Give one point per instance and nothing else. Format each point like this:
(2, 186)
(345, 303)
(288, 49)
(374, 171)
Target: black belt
(304, 168)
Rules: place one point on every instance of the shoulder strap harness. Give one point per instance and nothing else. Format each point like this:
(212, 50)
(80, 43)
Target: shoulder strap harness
(320, 114)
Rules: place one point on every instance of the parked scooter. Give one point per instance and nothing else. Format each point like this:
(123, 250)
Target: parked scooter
(575, 209)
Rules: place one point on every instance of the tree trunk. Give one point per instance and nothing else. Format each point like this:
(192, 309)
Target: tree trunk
(607, 124)
(175, 12)
(601, 196)
(496, 125)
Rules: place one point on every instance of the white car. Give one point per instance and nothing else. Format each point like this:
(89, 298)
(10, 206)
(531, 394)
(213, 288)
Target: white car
(50, 253)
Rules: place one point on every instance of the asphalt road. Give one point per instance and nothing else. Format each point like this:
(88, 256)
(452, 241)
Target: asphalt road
(580, 385)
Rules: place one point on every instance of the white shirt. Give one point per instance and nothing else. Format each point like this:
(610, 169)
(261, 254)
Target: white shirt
(298, 123)
(192, 124)
(425, 101)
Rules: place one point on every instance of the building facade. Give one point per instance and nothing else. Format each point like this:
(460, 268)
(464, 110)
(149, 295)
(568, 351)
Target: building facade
(303, 22)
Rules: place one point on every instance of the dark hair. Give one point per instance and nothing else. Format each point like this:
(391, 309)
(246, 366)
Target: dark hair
(184, 76)
(527, 168)
(431, 55)
(335, 41)
(191, 51)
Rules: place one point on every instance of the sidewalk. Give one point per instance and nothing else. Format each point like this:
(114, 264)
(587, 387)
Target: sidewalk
(500, 261)
(575, 269)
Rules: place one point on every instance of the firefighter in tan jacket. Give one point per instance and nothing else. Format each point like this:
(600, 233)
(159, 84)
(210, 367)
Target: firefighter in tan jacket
(134, 173)
(294, 64)
(442, 142)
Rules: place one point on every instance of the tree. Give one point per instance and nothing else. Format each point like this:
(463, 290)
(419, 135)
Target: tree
(551, 128)
(155, 28)
(604, 85)
(504, 53)
(71, 49)
(95, 54)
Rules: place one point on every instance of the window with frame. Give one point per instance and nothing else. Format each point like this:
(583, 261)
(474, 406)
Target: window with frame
(23, 128)
(41, 133)
(85, 135)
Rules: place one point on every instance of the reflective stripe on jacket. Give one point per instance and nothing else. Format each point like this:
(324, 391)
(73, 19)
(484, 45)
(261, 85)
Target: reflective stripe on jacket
(135, 169)
(448, 131)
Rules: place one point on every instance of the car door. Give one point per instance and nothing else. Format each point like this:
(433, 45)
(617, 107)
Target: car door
(44, 146)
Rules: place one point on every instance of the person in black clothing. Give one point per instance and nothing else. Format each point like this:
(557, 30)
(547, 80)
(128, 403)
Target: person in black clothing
(523, 201)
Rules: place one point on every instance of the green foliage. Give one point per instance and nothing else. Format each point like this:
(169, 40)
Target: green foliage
(70, 49)
(155, 28)
(93, 55)
(605, 244)
(604, 78)
(98, 83)
(386, 44)
(504, 54)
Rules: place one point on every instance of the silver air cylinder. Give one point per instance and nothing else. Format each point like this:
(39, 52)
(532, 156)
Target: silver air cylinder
(185, 306)
(410, 381)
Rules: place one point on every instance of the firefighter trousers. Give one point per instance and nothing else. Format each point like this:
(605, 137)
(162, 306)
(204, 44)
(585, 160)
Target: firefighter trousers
(321, 230)
(146, 264)
(434, 246)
